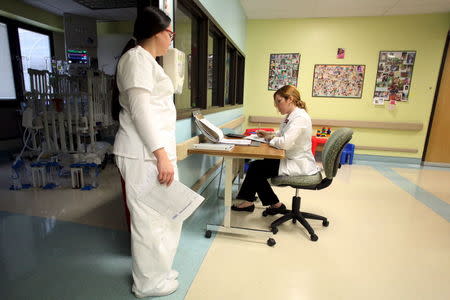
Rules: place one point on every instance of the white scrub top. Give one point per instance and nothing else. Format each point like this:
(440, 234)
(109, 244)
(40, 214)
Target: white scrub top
(148, 115)
(294, 136)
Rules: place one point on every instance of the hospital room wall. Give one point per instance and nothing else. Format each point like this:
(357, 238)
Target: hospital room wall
(231, 18)
(363, 38)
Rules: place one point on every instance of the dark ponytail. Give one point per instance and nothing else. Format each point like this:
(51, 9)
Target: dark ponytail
(150, 21)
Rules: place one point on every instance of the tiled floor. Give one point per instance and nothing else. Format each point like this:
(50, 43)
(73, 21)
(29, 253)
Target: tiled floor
(389, 238)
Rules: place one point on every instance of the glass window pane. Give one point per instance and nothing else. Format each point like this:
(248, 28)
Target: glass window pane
(209, 95)
(213, 48)
(240, 80)
(36, 54)
(227, 76)
(186, 41)
(7, 90)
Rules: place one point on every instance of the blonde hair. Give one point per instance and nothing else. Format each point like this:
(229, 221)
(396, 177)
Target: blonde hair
(290, 91)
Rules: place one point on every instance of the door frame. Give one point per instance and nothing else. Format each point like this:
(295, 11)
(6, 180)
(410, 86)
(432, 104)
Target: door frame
(436, 94)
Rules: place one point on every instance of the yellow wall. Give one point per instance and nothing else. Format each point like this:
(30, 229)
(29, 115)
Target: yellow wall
(317, 41)
(115, 27)
(23, 12)
(20, 11)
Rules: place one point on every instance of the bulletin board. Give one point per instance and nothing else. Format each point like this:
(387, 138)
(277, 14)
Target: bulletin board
(339, 81)
(283, 70)
(394, 75)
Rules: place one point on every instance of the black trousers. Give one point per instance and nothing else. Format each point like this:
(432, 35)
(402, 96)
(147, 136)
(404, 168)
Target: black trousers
(255, 181)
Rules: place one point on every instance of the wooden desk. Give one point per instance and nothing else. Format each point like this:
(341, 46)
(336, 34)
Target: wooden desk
(260, 152)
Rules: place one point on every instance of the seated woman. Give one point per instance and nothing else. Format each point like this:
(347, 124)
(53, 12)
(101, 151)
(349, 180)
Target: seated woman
(294, 136)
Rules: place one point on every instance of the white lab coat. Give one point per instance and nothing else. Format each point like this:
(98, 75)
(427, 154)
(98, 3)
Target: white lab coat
(147, 123)
(294, 136)
(145, 126)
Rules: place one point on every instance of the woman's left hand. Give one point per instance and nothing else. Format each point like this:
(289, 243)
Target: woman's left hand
(165, 168)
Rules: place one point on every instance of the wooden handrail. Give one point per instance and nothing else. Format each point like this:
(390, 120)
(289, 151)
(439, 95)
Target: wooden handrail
(345, 123)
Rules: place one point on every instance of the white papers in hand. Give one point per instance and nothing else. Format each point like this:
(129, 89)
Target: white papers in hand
(254, 137)
(177, 202)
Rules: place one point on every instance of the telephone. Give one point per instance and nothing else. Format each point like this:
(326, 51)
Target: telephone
(174, 64)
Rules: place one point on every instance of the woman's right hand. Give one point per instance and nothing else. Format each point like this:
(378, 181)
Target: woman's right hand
(165, 168)
(267, 135)
(261, 133)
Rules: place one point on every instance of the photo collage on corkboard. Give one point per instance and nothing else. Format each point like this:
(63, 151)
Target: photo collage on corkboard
(394, 74)
(283, 70)
(341, 81)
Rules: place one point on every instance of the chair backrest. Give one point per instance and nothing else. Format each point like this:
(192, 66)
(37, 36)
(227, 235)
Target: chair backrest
(332, 151)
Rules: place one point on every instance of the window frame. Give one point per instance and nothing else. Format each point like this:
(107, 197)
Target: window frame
(198, 83)
(207, 25)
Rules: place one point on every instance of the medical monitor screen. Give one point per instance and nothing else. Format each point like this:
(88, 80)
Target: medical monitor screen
(77, 57)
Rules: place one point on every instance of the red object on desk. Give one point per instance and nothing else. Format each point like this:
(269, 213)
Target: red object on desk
(250, 131)
(317, 141)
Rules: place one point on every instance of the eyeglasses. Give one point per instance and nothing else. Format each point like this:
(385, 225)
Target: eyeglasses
(171, 34)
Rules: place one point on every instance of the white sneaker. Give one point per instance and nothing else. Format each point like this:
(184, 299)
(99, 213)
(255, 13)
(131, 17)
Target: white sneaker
(173, 275)
(168, 288)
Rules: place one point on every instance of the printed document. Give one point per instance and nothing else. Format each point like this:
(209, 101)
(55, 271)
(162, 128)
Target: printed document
(215, 134)
(177, 202)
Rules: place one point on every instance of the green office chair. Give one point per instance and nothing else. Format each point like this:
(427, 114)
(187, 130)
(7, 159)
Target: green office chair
(331, 162)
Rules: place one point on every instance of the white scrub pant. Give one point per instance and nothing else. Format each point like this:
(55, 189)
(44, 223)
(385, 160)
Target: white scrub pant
(154, 238)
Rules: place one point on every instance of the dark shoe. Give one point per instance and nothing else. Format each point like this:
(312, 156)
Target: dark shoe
(250, 208)
(273, 211)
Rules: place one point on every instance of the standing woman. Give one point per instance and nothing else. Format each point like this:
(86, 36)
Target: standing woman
(294, 136)
(145, 150)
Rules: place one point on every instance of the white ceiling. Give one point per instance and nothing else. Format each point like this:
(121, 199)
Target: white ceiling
(60, 7)
(273, 9)
(279, 9)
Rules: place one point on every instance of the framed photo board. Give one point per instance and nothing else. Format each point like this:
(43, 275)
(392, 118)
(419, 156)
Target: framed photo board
(339, 81)
(394, 74)
(283, 70)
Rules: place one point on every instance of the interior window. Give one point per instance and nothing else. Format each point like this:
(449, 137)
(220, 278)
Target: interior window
(35, 51)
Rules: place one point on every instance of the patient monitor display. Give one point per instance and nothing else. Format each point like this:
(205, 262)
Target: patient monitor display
(77, 57)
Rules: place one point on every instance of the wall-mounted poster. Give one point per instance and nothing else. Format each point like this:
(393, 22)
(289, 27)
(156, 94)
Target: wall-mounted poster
(340, 81)
(394, 75)
(283, 70)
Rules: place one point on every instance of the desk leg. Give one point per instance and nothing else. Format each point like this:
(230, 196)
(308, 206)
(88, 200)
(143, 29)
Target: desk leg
(228, 190)
(227, 214)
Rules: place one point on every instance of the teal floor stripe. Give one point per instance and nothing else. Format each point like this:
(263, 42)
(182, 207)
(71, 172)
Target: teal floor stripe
(439, 206)
(399, 165)
(46, 259)
(193, 245)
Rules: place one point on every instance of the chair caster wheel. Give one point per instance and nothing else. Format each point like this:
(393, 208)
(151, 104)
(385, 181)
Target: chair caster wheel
(294, 221)
(207, 234)
(274, 230)
(271, 242)
(264, 213)
(325, 223)
(314, 237)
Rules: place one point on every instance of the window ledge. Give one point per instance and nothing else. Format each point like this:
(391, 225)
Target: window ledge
(187, 113)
